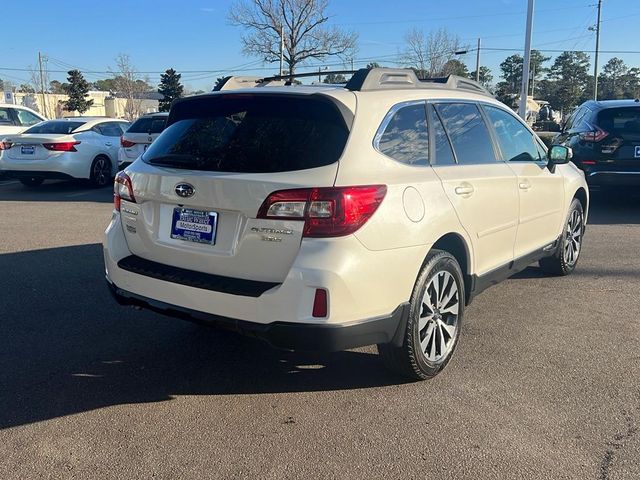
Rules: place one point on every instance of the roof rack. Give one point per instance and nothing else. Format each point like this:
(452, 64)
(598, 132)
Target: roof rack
(365, 80)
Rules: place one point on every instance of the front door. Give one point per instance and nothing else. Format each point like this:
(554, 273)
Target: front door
(541, 192)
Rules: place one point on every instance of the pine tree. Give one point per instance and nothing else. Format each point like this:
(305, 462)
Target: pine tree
(170, 88)
(78, 90)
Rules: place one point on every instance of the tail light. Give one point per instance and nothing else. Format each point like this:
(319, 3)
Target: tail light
(5, 145)
(593, 136)
(588, 162)
(61, 146)
(326, 211)
(126, 143)
(122, 188)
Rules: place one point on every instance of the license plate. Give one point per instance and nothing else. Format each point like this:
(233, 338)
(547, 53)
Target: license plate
(637, 152)
(194, 225)
(27, 150)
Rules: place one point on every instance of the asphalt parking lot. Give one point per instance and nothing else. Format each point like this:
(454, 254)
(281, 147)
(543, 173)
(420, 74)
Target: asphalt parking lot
(545, 382)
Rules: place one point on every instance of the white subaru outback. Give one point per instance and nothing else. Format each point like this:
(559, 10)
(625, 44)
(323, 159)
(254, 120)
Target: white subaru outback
(327, 218)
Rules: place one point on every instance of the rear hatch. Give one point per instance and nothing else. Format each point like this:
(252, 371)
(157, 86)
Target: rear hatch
(141, 134)
(621, 147)
(229, 152)
(30, 146)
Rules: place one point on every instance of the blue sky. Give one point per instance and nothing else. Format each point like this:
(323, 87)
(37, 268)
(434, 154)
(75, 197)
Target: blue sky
(197, 36)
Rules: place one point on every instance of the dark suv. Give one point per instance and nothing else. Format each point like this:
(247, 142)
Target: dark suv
(605, 138)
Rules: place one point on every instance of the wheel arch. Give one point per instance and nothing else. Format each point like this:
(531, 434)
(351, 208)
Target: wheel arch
(583, 198)
(456, 245)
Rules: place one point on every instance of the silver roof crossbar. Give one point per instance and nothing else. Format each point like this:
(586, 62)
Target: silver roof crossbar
(365, 80)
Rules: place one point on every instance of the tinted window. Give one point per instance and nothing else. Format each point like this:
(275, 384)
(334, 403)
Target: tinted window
(620, 120)
(148, 125)
(5, 117)
(251, 133)
(27, 118)
(575, 119)
(406, 138)
(516, 142)
(55, 126)
(443, 155)
(468, 132)
(111, 129)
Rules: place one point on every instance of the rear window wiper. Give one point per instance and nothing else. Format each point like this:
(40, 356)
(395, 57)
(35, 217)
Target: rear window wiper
(177, 159)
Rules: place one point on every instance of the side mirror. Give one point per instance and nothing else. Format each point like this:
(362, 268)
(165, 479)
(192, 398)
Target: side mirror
(559, 155)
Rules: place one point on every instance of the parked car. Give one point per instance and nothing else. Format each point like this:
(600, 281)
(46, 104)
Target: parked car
(75, 147)
(16, 118)
(139, 136)
(605, 139)
(288, 214)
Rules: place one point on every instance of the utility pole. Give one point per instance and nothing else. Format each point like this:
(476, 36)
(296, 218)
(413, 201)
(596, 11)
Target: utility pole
(522, 111)
(281, 48)
(44, 102)
(595, 63)
(478, 63)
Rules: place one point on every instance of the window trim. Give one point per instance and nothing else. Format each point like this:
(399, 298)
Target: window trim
(523, 123)
(385, 123)
(432, 138)
(497, 154)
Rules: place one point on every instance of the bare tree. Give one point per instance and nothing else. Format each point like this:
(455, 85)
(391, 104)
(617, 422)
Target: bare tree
(129, 86)
(303, 24)
(428, 54)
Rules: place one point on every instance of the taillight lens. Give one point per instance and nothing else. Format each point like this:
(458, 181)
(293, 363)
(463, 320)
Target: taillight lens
(5, 145)
(326, 211)
(122, 188)
(61, 146)
(126, 143)
(320, 308)
(594, 136)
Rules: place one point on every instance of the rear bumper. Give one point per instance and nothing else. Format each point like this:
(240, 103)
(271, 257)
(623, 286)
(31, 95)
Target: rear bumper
(613, 178)
(60, 165)
(287, 335)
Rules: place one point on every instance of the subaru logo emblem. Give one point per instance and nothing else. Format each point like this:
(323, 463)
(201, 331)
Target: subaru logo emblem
(185, 190)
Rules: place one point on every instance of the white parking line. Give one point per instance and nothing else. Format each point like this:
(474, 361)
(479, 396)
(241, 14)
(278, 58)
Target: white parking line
(78, 194)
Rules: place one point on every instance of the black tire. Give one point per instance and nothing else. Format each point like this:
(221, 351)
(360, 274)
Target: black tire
(32, 181)
(411, 359)
(562, 262)
(100, 175)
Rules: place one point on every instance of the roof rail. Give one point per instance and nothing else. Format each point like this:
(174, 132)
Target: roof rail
(287, 78)
(235, 82)
(394, 78)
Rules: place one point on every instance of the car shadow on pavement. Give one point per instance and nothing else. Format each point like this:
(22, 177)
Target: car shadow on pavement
(612, 207)
(55, 191)
(67, 347)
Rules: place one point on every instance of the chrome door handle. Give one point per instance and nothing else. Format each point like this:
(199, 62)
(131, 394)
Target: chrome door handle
(464, 189)
(524, 185)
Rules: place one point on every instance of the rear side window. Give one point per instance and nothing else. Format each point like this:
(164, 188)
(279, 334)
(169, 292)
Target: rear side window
(148, 125)
(620, 120)
(26, 118)
(55, 126)
(109, 129)
(468, 133)
(5, 117)
(251, 133)
(443, 155)
(405, 137)
(516, 142)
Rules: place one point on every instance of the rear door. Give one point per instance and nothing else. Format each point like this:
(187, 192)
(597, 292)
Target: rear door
(215, 164)
(540, 192)
(482, 190)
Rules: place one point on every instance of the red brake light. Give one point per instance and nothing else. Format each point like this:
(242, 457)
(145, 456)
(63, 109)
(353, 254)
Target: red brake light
(594, 136)
(327, 211)
(6, 145)
(588, 162)
(61, 146)
(122, 188)
(126, 143)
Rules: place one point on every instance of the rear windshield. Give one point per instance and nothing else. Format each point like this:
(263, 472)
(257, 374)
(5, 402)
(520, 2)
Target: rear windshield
(148, 125)
(251, 134)
(620, 120)
(55, 126)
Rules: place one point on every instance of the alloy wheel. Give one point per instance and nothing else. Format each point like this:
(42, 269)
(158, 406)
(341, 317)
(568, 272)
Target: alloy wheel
(101, 171)
(438, 322)
(573, 237)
